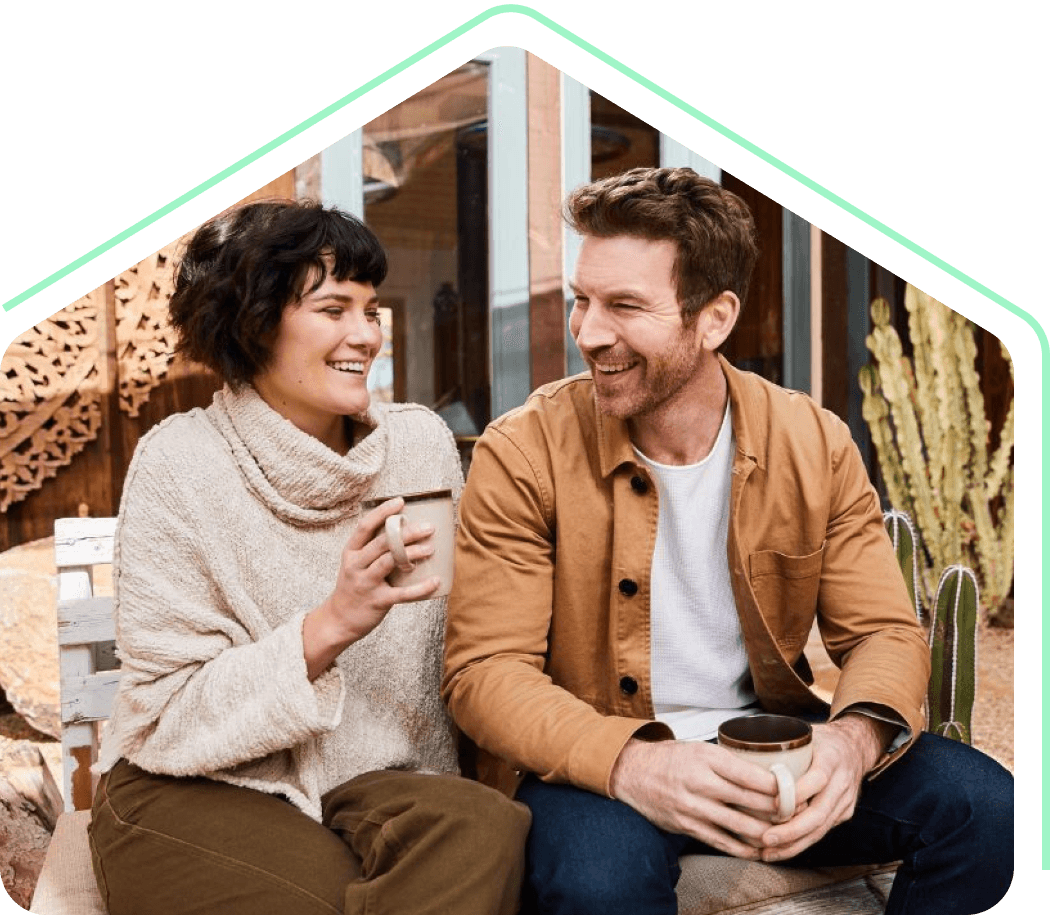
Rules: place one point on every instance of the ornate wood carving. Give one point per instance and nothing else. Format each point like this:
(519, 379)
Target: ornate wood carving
(50, 393)
(145, 339)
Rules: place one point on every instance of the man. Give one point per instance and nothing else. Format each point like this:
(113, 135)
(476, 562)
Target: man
(641, 555)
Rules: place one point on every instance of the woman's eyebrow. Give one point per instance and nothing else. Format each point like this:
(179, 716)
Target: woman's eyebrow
(338, 297)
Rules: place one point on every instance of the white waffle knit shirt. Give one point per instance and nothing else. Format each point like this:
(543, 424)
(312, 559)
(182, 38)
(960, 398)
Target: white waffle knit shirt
(699, 668)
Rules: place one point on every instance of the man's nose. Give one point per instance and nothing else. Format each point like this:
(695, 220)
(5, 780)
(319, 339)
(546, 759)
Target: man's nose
(592, 328)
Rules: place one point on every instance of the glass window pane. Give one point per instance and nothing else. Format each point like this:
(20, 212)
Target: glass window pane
(425, 186)
(619, 140)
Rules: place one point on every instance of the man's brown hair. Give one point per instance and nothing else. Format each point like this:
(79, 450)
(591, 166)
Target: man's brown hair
(711, 227)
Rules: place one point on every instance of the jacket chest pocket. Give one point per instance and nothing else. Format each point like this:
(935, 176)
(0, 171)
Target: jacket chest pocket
(786, 589)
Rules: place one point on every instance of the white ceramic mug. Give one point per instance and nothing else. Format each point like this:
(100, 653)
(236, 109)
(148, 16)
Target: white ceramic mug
(779, 743)
(433, 507)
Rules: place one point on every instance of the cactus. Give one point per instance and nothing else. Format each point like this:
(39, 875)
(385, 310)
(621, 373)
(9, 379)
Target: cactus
(906, 546)
(930, 432)
(953, 633)
(953, 655)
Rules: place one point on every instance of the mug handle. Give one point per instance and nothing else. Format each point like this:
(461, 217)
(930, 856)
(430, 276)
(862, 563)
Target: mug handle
(785, 791)
(396, 542)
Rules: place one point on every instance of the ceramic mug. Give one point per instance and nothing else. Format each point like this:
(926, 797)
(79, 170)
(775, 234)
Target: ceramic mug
(434, 507)
(779, 743)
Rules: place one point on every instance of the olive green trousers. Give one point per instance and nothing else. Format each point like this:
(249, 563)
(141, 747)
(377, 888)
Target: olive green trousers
(391, 843)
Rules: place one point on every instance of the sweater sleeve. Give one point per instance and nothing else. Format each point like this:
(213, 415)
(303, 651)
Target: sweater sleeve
(201, 690)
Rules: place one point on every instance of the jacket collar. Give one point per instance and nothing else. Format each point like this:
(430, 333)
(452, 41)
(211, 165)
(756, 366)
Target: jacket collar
(749, 424)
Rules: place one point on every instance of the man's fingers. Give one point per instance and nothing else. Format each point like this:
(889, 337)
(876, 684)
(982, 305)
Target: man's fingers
(724, 841)
(763, 804)
(811, 783)
(786, 840)
(787, 852)
(744, 774)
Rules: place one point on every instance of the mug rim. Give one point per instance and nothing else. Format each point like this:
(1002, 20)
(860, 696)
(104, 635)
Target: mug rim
(423, 496)
(765, 746)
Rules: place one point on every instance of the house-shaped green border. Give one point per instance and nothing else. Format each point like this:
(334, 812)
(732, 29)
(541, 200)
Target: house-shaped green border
(1030, 403)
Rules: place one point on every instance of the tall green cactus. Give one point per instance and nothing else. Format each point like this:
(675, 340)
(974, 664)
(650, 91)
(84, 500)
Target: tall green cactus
(953, 655)
(928, 424)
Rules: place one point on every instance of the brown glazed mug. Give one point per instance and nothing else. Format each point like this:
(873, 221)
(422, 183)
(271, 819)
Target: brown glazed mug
(779, 743)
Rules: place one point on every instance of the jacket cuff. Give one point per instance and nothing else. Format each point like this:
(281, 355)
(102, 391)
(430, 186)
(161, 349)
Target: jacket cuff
(620, 731)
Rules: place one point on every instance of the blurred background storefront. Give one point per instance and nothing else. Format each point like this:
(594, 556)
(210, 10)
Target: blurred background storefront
(463, 183)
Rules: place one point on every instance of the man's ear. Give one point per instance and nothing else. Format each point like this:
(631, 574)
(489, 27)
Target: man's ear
(717, 318)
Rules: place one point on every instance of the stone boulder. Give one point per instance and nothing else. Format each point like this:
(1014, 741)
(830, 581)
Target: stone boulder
(28, 634)
(29, 806)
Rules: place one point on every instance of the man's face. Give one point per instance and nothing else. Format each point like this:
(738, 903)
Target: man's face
(627, 323)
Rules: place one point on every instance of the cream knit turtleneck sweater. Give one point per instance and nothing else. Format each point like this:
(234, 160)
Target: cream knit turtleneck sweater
(230, 531)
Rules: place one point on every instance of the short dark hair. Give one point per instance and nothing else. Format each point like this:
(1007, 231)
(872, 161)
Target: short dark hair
(711, 227)
(241, 269)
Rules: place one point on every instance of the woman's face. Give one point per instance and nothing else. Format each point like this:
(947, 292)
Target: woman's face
(319, 364)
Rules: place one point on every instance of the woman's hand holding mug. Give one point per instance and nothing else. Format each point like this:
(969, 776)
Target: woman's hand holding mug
(364, 592)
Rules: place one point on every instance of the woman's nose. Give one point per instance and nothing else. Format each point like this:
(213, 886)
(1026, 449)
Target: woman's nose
(360, 330)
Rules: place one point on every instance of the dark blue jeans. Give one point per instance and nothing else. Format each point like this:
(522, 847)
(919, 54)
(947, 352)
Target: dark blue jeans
(944, 810)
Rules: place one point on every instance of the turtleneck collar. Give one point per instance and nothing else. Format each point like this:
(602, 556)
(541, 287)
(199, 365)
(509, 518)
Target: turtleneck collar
(300, 479)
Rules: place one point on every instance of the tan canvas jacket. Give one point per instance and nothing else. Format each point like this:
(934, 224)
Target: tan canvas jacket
(547, 652)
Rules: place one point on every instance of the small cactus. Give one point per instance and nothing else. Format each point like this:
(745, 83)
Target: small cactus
(953, 655)
(906, 546)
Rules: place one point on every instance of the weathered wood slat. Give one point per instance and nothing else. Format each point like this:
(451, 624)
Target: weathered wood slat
(79, 750)
(83, 541)
(83, 620)
(89, 698)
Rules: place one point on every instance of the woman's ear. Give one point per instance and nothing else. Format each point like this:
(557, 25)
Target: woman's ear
(717, 318)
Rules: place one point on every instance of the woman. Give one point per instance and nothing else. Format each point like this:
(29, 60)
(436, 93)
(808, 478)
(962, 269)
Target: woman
(278, 743)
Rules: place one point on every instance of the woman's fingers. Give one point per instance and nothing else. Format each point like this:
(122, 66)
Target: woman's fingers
(410, 593)
(385, 563)
(372, 522)
(412, 536)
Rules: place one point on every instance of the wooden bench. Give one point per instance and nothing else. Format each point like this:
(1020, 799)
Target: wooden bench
(710, 885)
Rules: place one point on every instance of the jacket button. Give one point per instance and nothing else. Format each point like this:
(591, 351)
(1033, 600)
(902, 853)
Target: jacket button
(639, 485)
(628, 685)
(628, 587)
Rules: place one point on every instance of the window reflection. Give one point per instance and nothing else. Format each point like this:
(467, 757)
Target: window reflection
(619, 140)
(425, 185)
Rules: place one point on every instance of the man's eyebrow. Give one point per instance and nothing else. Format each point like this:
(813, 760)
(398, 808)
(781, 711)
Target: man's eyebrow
(615, 295)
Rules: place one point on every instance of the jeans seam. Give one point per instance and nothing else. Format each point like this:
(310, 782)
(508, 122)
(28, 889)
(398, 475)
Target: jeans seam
(217, 857)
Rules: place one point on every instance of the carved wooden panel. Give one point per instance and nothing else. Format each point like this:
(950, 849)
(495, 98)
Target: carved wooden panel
(145, 339)
(50, 391)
